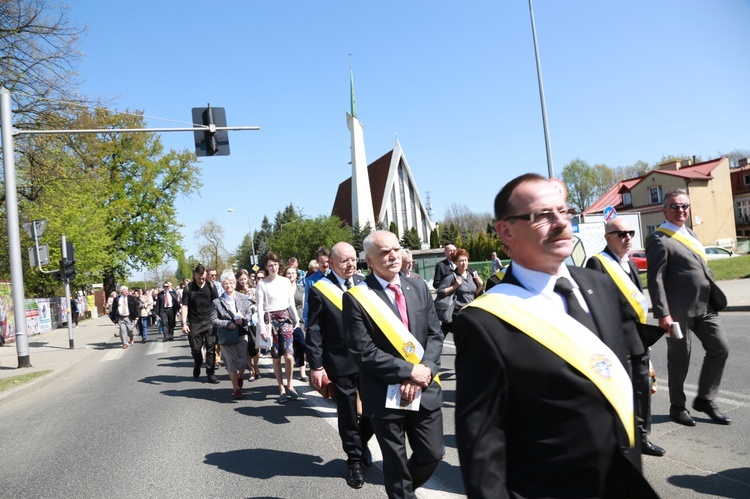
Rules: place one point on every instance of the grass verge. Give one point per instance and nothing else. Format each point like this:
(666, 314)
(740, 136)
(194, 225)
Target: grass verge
(725, 269)
(14, 381)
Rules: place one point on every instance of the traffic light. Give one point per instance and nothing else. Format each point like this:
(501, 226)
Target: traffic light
(211, 142)
(67, 265)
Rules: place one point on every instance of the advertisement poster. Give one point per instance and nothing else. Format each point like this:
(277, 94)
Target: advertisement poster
(45, 317)
(32, 317)
(7, 329)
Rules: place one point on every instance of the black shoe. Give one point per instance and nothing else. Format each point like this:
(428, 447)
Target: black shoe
(213, 379)
(710, 408)
(355, 479)
(196, 371)
(165, 339)
(367, 457)
(681, 416)
(651, 449)
(143, 340)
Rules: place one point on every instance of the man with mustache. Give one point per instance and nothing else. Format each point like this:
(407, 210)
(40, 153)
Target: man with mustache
(544, 401)
(393, 334)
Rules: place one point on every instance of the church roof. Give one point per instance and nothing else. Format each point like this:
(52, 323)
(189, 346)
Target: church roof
(377, 171)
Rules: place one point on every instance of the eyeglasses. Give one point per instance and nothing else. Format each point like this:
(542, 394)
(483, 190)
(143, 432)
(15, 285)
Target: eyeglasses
(623, 233)
(212, 275)
(544, 217)
(344, 261)
(678, 206)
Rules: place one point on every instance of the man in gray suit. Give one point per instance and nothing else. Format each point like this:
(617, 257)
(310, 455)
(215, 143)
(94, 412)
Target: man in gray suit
(682, 292)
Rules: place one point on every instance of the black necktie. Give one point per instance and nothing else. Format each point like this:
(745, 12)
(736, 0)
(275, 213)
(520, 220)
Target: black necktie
(347, 284)
(565, 289)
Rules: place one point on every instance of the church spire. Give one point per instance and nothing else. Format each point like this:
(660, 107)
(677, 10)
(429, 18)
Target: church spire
(351, 88)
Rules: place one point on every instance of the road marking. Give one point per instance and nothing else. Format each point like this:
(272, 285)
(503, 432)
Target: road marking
(433, 488)
(156, 348)
(113, 354)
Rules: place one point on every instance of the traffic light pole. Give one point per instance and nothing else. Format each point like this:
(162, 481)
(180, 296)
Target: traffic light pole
(11, 205)
(67, 294)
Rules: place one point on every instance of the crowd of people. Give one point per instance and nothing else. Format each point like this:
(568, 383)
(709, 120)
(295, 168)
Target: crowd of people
(551, 370)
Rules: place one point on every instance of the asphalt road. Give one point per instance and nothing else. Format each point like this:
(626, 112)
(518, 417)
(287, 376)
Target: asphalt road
(134, 423)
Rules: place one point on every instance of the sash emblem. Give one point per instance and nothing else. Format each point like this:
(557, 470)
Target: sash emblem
(409, 348)
(601, 365)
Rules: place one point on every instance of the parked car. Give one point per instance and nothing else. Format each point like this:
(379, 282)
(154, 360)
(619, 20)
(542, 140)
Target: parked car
(639, 259)
(717, 253)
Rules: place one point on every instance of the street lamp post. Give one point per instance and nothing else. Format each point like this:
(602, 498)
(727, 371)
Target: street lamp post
(250, 228)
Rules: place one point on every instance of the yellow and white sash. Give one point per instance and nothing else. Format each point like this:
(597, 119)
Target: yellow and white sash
(696, 248)
(400, 337)
(331, 291)
(626, 286)
(569, 340)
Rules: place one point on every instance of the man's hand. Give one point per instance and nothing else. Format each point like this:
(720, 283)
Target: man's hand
(409, 391)
(185, 327)
(316, 378)
(666, 322)
(421, 375)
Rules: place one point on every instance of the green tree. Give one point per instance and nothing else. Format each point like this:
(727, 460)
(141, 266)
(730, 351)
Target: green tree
(580, 179)
(393, 228)
(111, 194)
(434, 239)
(305, 235)
(448, 235)
(411, 239)
(211, 250)
(261, 237)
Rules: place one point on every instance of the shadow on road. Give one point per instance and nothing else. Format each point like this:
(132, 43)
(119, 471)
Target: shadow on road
(733, 483)
(264, 464)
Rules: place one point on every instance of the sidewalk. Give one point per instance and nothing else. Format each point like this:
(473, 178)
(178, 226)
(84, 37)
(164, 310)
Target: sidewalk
(51, 351)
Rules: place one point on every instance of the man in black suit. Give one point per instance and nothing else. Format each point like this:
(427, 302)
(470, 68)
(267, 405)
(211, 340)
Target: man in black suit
(328, 356)
(444, 268)
(167, 307)
(544, 402)
(613, 261)
(124, 313)
(394, 335)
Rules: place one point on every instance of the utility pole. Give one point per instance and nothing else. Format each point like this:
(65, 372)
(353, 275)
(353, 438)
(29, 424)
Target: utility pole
(550, 169)
(14, 237)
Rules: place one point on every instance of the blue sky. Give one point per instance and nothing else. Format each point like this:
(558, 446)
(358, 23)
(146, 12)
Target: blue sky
(455, 81)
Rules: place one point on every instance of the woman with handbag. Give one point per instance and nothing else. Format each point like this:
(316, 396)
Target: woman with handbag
(275, 296)
(230, 315)
(459, 287)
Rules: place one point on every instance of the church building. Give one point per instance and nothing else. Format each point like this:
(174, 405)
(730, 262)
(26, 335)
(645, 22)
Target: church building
(383, 191)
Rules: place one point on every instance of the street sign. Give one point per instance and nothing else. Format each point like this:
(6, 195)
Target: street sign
(610, 213)
(43, 255)
(39, 225)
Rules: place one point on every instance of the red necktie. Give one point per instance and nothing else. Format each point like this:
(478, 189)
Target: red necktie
(400, 303)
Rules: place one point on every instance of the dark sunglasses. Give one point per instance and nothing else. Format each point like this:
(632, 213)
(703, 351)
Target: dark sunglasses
(622, 233)
(683, 206)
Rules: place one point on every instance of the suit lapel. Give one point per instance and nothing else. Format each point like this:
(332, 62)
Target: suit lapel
(596, 304)
(411, 297)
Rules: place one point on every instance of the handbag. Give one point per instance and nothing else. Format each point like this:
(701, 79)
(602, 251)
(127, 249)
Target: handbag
(326, 387)
(445, 306)
(229, 336)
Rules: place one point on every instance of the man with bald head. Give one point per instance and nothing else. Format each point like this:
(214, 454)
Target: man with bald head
(394, 335)
(444, 268)
(544, 402)
(329, 357)
(614, 261)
